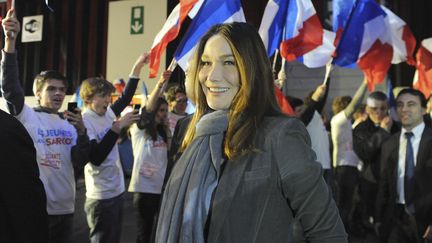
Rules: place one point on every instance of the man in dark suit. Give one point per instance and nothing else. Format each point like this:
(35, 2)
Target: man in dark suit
(23, 216)
(404, 205)
(368, 137)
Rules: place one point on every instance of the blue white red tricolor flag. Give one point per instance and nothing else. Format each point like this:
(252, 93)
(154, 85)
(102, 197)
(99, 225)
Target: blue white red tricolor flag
(211, 12)
(303, 30)
(273, 24)
(341, 15)
(423, 77)
(168, 33)
(366, 40)
(403, 41)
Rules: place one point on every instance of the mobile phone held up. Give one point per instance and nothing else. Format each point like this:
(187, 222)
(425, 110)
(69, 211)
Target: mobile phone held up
(137, 107)
(71, 107)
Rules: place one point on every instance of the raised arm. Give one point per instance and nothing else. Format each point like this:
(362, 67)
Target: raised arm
(129, 91)
(158, 91)
(316, 103)
(323, 99)
(10, 86)
(356, 101)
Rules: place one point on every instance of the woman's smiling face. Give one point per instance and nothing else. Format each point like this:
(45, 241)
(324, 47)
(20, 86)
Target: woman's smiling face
(218, 74)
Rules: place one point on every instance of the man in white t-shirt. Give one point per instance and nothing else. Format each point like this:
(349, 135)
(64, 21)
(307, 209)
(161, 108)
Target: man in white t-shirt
(104, 177)
(59, 143)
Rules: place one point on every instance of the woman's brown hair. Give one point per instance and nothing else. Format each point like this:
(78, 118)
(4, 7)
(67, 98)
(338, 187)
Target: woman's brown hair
(255, 98)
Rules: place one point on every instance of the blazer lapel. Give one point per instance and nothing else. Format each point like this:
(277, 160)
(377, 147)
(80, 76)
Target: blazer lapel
(225, 192)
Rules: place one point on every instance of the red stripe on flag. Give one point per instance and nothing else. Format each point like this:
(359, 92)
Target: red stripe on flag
(8, 4)
(424, 70)
(376, 62)
(410, 44)
(156, 52)
(309, 38)
(337, 40)
(283, 103)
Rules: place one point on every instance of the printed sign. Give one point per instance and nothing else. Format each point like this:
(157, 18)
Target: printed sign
(32, 28)
(137, 20)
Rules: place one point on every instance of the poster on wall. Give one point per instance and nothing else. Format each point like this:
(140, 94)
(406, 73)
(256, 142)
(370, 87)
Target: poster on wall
(32, 27)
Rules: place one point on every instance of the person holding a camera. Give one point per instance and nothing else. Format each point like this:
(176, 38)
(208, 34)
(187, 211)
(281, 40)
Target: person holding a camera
(104, 174)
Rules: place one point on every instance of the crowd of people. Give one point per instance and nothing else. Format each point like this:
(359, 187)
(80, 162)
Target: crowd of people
(236, 170)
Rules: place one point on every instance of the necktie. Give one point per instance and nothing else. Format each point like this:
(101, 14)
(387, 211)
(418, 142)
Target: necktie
(409, 173)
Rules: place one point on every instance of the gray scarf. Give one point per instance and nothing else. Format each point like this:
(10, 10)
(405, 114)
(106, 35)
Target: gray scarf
(187, 197)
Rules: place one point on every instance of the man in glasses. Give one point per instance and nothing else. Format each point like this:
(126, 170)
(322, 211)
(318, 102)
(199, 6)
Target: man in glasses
(60, 139)
(368, 136)
(177, 104)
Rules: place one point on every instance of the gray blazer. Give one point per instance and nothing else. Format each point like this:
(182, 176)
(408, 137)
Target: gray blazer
(260, 193)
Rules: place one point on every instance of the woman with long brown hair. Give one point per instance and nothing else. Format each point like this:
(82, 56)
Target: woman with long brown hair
(246, 170)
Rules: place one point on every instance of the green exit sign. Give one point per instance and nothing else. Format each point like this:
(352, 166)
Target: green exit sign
(137, 20)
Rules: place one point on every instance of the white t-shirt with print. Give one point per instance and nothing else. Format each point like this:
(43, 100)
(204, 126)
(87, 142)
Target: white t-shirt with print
(172, 120)
(53, 138)
(106, 180)
(320, 140)
(341, 133)
(150, 162)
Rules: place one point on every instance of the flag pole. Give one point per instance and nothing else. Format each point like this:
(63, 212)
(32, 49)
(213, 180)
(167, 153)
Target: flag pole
(276, 54)
(329, 68)
(172, 65)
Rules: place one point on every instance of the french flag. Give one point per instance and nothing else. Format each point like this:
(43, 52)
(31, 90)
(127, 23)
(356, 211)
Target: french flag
(273, 24)
(211, 12)
(403, 40)
(367, 41)
(321, 55)
(341, 15)
(423, 76)
(303, 30)
(168, 33)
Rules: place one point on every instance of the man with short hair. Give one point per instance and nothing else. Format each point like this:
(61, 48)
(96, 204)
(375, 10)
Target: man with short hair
(177, 103)
(368, 136)
(59, 143)
(404, 205)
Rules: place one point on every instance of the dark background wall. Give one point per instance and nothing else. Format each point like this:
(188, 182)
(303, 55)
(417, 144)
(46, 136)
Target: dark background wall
(75, 34)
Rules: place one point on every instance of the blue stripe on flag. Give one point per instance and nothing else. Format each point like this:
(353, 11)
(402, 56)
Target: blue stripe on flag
(211, 12)
(291, 20)
(349, 46)
(276, 28)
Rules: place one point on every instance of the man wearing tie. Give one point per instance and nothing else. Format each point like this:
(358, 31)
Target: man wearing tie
(404, 205)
